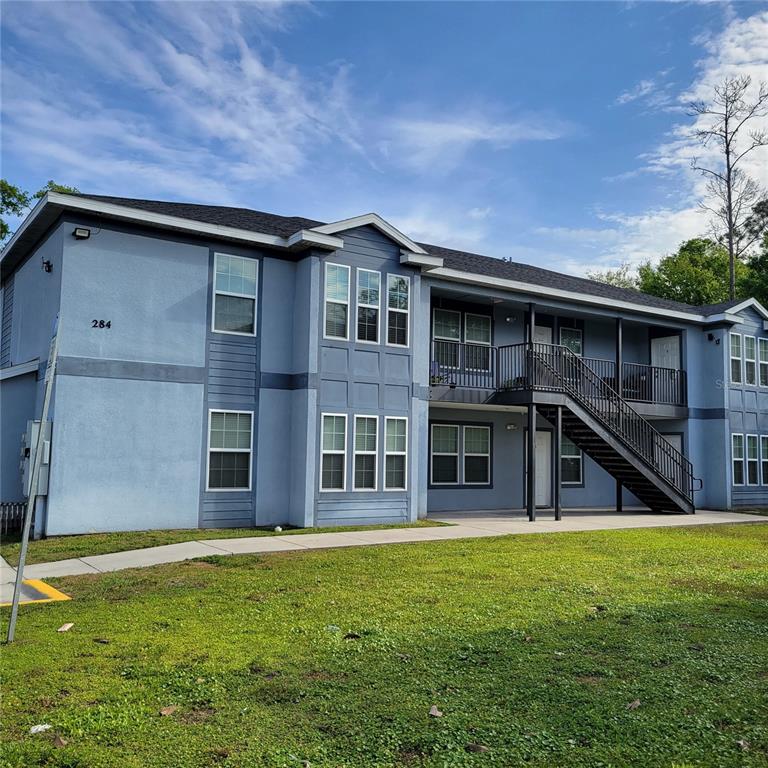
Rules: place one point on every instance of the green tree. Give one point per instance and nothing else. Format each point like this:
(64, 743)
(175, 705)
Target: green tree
(697, 274)
(16, 201)
(754, 284)
(621, 276)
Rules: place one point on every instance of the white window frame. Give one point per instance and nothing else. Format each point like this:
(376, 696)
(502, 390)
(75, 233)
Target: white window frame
(359, 304)
(208, 488)
(433, 453)
(327, 301)
(734, 459)
(764, 459)
(748, 461)
(580, 481)
(464, 454)
(356, 453)
(406, 312)
(334, 452)
(762, 362)
(396, 453)
(731, 358)
(487, 344)
(447, 340)
(748, 360)
(576, 330)
(255, 298)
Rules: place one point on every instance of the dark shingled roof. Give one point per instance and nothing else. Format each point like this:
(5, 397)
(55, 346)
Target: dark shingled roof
(473, 263)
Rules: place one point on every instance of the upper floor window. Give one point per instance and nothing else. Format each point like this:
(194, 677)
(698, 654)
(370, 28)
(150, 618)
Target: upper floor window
(447, 337)
(368, 303)
(234, 294)
(398, 309)
(736, 377)
(763, 356)
(572, 338)
(446, 333)
(336, 301)
(477, 336)
(230, 443)
(750, 360)
(737, 459)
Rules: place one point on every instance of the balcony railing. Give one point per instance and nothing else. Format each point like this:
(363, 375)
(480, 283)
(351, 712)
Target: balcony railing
(475, 366)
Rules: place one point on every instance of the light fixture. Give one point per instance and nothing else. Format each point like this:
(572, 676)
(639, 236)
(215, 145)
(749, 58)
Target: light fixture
(509, 319)
(47, 265)
(511, 427)
(81, 233)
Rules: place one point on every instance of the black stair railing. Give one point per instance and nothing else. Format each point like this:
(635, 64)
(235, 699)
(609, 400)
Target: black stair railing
(551, 367)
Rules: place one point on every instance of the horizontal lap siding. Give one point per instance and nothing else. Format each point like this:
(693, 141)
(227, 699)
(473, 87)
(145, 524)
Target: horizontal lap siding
(232, 370)
(227, 510)
(7, 323)
(362, 511)
(752, 496)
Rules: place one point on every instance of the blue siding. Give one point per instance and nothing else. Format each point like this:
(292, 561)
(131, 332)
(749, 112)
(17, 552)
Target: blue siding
(6, 323)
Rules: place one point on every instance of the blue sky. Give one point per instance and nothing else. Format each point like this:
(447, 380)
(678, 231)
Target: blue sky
(551, 133)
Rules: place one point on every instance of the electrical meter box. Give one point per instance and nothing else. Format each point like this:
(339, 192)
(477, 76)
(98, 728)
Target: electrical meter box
(28, 446)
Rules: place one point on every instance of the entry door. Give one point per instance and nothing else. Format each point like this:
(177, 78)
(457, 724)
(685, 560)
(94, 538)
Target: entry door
(543, 469)
(665, 352)
(542, 334)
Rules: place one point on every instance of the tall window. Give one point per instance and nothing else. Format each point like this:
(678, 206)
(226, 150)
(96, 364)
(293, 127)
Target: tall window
(750, 360)
(445, 454)
(737, 458)
(229, 450)
(334, 451)
(446, 332)
(763, 352)
(234, 295)
(395, 453)
(398, 307)
(764, 458)
(336, 301)
(477, 455)
(736, 358)
(366, 446)
(753, 460)
(571, 463)
(477, 335)
(572, 338)
(368, 302)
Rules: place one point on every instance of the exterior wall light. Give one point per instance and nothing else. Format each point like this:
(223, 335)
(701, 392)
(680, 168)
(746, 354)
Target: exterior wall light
(47, 265)
(81, 233)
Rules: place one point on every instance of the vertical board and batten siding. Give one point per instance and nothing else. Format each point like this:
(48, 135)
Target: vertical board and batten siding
(6, 325)
(232, 378)
(747, 412)
(366, 379)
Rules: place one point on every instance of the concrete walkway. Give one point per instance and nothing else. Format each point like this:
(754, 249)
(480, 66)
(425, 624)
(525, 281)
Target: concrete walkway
(463, 526)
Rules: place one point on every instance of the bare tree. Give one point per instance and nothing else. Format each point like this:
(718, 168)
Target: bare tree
(731, 193)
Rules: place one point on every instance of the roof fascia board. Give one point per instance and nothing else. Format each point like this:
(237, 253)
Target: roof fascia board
(374, 220)
(19, 370)
(28, 221)
(426, 261)
(308, 237)
(557, 293)
(747, 304)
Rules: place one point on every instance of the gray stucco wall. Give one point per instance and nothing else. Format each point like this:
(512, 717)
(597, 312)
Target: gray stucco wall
(17, 406)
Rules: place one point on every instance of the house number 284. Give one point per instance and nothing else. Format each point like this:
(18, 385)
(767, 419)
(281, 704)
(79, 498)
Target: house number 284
(101, 323)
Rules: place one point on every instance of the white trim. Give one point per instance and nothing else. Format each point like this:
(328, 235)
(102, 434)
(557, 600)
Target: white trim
(433, 453)
(743, 459)
(19, 369)
(356, 453)
(420, 260)
(406, 312)
(396, 453)
(374, 220)
(481, 344)
(464, 455)
(359, 304)
(255, 296)
(308, 237)
(28, 221)
(326, 300)
(435, 337)
(208, 488)
(577, 330)
(764, 459)
(746, 304)
(334, 452)
(747, 460)
(731, 358)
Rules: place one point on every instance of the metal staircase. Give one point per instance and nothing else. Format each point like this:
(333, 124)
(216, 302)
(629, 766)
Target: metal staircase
(600, 422)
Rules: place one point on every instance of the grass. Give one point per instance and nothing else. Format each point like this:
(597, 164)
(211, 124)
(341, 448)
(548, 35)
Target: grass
(612, 648)
(64, 547)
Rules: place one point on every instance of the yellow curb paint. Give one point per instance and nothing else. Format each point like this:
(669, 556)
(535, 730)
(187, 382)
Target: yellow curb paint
(52, 594)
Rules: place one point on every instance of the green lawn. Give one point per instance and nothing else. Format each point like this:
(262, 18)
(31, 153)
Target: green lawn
(536, 647)
(64, 547)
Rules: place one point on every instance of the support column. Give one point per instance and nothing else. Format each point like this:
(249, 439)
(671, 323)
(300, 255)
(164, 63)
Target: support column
(620, 390)
(531, 457)
(531, 321)
(558, 463)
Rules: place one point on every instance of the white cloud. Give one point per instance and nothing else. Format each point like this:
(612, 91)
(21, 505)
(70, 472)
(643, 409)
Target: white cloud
(480, 213)
(643, 88)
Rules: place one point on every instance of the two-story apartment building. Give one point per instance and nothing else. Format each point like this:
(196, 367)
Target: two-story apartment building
(227, 367)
